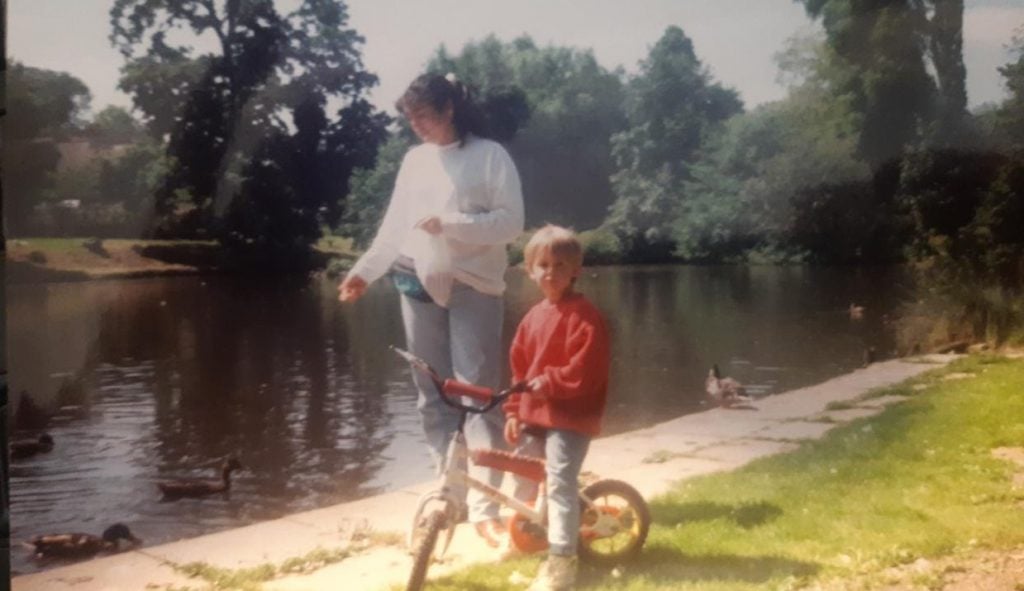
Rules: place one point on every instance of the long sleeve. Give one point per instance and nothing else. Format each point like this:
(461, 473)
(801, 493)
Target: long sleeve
(393, 228)
(587, 368)
(519, 360)
(503, 221)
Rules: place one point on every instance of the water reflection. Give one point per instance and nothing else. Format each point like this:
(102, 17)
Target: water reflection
(149, 379)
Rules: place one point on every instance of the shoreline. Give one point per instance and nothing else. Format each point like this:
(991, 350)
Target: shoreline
(53, 260)
(366, 532)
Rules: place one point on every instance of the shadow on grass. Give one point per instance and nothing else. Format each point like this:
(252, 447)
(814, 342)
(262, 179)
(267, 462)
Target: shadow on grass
(665, 568)
(655, 568)
(745, 515)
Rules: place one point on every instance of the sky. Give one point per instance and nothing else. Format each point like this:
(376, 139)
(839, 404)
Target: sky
(736, 39)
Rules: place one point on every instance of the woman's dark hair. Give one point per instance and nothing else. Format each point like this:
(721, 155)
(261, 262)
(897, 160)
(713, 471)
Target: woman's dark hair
(438, 92)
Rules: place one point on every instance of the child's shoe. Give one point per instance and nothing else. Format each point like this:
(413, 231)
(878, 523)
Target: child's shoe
(557, 573)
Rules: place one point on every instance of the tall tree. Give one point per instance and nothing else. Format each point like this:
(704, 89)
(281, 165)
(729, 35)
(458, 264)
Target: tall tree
(945, 47)
(572, 108)
(263, 91)
(903, 64)
(1010, 115)
(43, 107)
(113, 126)
(673, 108)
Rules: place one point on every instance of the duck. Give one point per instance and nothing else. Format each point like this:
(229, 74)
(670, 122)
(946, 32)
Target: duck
(78, 545)
(29, 447)
(856, 312)
(194, 488)
(727, 391)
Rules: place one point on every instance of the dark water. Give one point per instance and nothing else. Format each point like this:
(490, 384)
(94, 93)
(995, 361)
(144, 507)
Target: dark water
(148, 379)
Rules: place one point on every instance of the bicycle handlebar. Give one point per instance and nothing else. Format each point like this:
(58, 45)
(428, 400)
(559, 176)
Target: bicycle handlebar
(449, 388)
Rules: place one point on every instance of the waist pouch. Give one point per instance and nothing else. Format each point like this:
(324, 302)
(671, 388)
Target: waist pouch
(403, 275)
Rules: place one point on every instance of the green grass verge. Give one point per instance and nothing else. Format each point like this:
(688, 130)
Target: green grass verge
(917, 480)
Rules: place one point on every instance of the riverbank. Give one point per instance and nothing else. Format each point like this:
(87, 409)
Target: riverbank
(83, 259)
(356, 545)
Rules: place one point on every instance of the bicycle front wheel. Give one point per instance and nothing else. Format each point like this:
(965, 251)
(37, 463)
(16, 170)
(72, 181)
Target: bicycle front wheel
(614, 525)
(423, 552)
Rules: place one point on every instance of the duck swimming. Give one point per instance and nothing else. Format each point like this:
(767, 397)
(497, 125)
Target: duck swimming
(78, 545)
(194, 488)
(29, 447)
(726, 391)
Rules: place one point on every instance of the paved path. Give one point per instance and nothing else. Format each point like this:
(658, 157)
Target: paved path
(711, 441)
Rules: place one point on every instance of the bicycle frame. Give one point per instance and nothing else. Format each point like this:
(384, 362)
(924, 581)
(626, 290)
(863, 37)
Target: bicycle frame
(452, 476)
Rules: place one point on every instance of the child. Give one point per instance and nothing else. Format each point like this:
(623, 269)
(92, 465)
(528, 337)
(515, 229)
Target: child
(561, 350)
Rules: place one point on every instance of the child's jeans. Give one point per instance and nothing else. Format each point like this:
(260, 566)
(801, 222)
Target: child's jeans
(563, 452)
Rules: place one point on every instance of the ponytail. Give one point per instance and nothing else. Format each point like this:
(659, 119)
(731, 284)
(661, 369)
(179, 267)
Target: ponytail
(438, 92)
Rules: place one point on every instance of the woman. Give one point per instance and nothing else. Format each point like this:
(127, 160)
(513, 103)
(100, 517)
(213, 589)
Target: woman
(456, 204)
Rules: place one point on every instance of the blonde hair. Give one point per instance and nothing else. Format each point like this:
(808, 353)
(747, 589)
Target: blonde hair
(560, 242)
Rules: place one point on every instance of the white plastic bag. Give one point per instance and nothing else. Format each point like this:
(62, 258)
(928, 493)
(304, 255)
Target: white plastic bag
(434, 266)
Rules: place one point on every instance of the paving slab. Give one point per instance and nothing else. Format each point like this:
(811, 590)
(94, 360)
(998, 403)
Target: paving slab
(711, 441)
(736, 453)
(846, 415)
(881, 401)
(794, 430)
(121, 572)
(652, 480)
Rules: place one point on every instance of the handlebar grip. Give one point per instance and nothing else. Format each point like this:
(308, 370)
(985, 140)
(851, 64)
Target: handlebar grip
(456, 388)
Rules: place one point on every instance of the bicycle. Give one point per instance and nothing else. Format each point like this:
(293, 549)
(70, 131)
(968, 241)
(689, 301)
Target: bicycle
(614, 518)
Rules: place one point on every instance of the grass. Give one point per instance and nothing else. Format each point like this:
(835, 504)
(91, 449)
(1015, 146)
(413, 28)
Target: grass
(916, 481)
(252, 578)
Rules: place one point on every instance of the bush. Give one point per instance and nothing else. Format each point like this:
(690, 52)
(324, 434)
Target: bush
(601, 247)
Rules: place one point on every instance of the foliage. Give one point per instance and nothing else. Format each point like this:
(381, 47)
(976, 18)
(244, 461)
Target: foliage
(371, 192)
(600, 247)
(114, 126)
(673, 110)
(968, 248)
(903, 70)
(43, 107)
(247, 124)
(1008, 125)
(573, 106)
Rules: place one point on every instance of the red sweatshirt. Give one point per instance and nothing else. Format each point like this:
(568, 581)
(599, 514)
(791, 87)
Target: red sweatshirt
(568, 343)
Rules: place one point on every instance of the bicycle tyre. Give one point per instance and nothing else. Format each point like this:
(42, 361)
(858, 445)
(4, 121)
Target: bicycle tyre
(423, 553)
(632, 521)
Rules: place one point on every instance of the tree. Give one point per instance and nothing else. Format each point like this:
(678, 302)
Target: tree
(567, 107)
(1010, 115)
(114, 126)
(673, 109)
(264, 92)
(886, 52)
(43, 107)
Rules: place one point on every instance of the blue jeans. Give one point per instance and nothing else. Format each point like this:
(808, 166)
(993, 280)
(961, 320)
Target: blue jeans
(563, 452)
(462, 341)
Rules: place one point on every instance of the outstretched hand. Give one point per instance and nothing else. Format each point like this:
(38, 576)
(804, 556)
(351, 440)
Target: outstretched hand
(351, 289)
(430, 225)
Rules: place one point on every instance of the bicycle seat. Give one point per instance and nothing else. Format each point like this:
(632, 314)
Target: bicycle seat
(525, 466)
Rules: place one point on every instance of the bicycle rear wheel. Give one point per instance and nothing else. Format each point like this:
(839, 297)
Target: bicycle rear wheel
(614, 526)
(423, 553)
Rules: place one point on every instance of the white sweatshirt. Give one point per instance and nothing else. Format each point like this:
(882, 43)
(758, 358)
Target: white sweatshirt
(474, 190)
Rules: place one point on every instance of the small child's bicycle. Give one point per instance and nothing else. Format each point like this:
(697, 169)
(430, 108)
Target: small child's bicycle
(614, 518)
